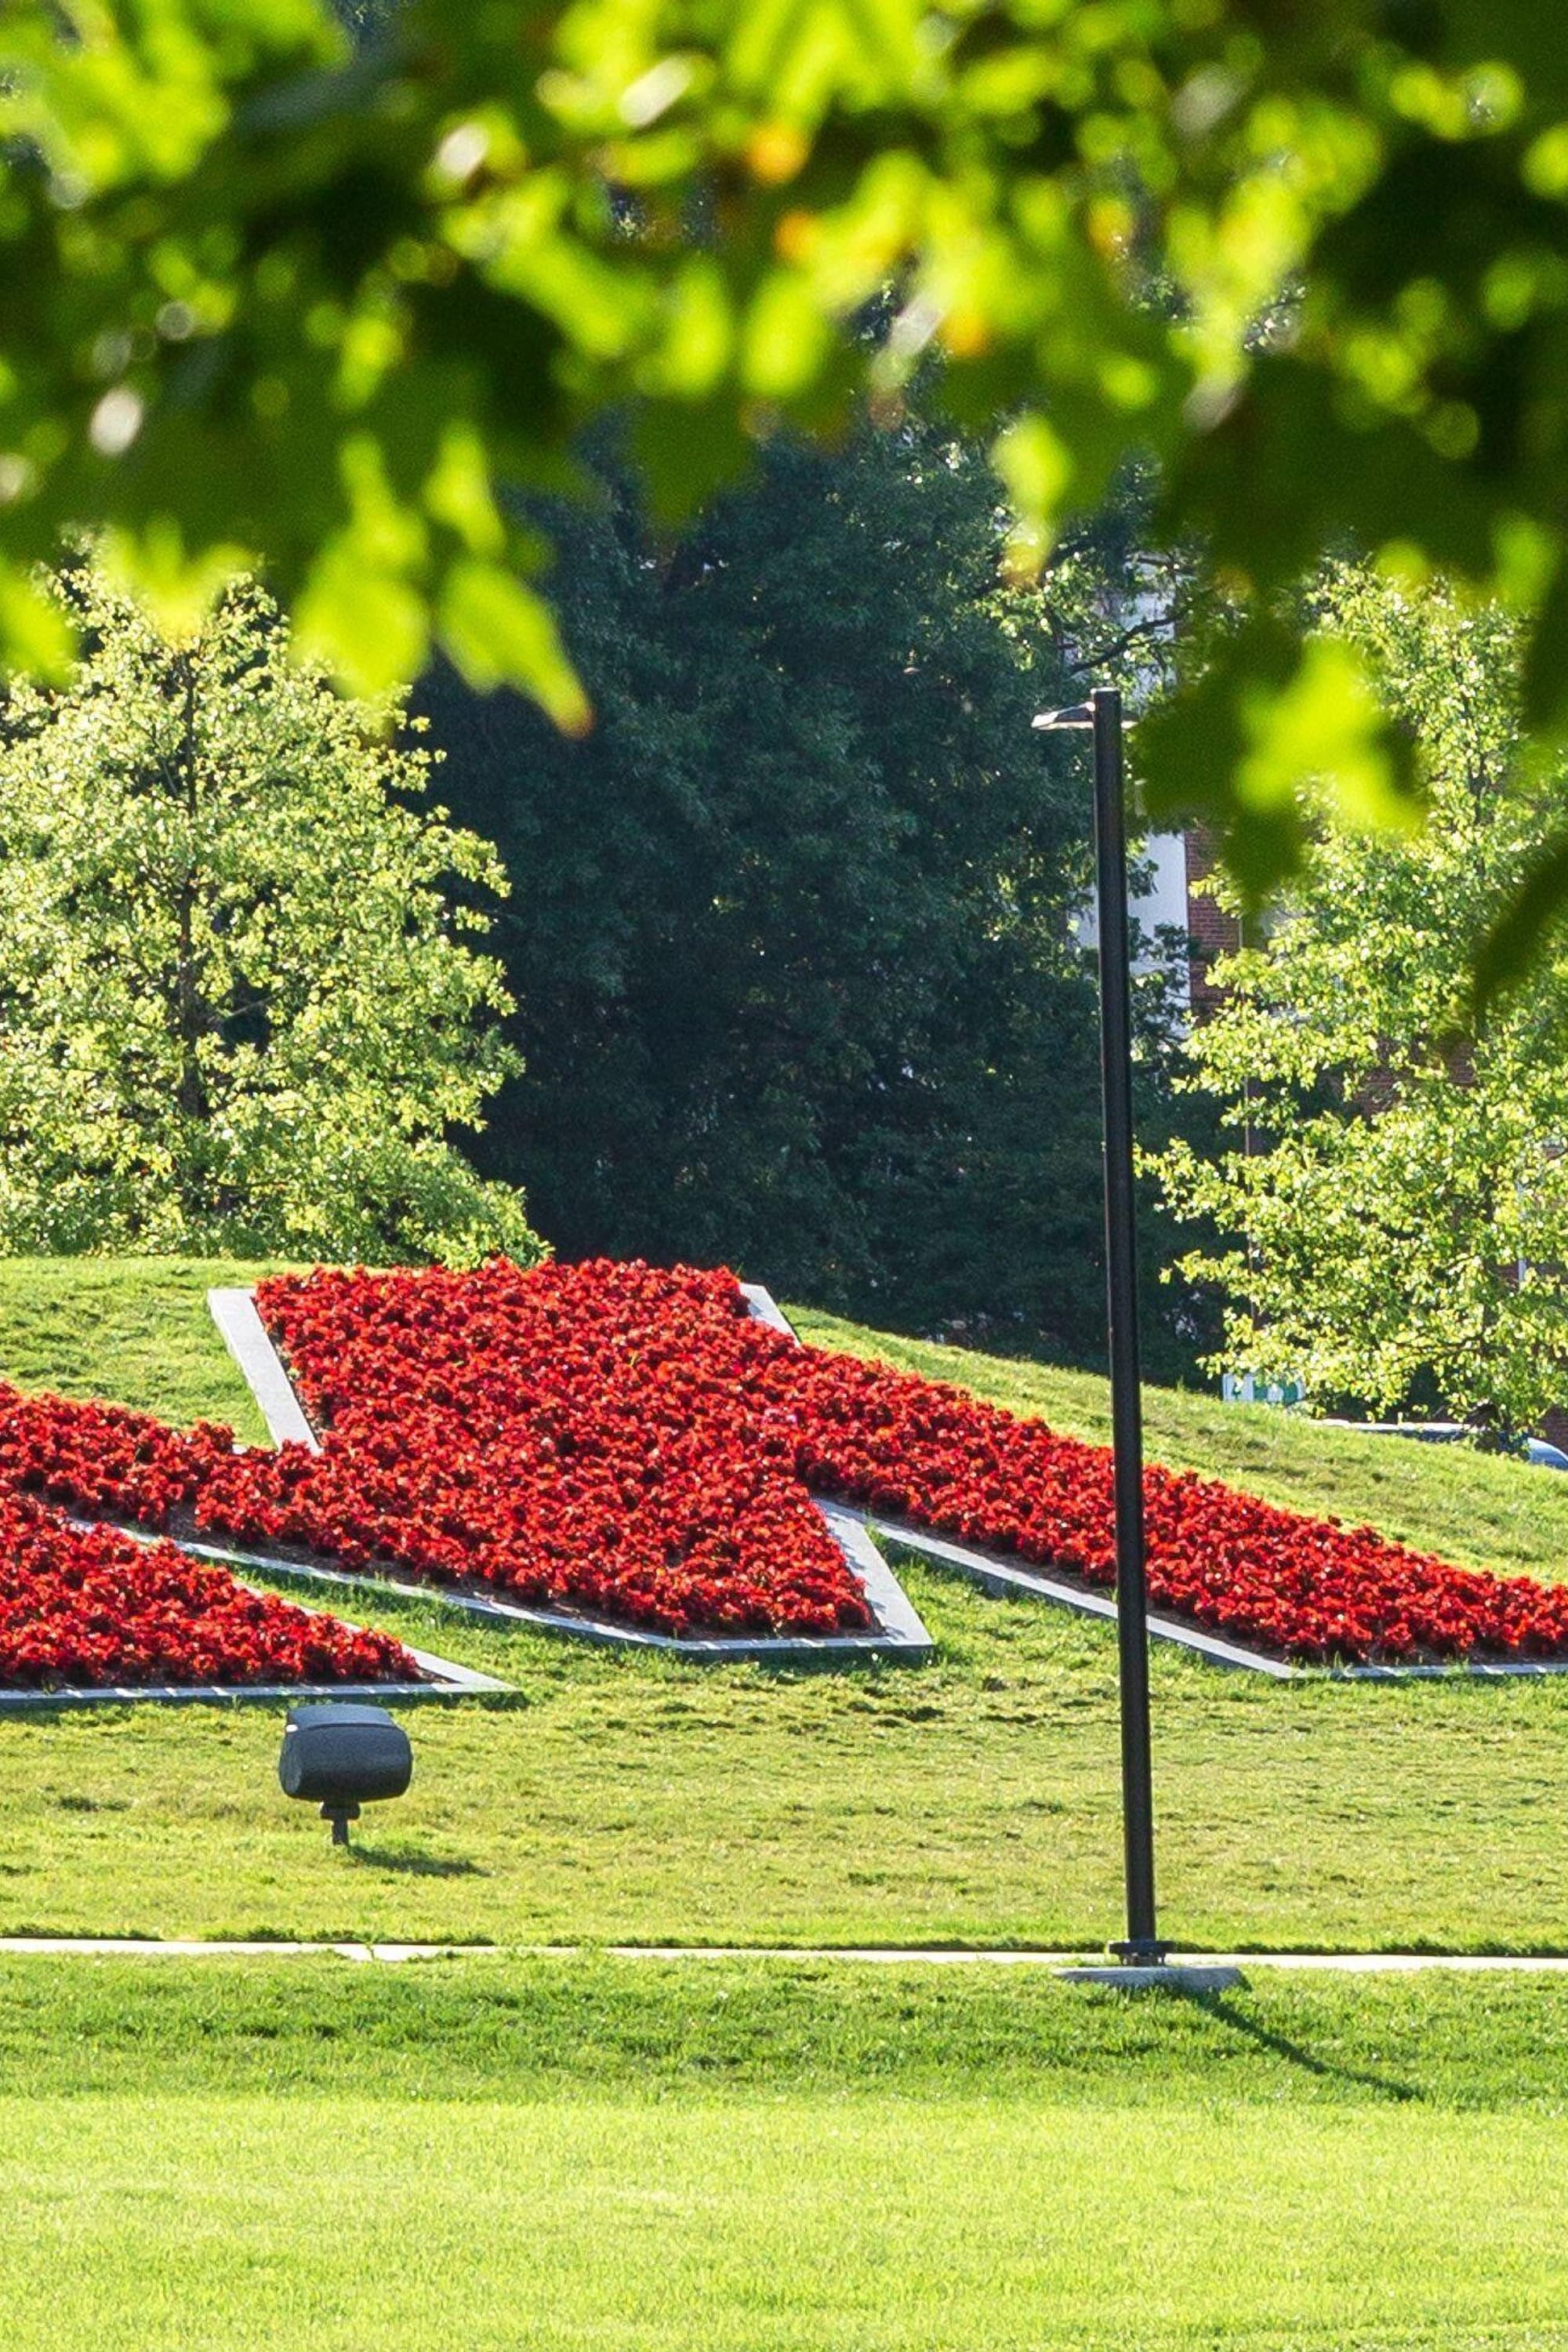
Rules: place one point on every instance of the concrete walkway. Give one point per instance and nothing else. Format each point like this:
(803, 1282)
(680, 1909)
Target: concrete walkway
(1338, 1963)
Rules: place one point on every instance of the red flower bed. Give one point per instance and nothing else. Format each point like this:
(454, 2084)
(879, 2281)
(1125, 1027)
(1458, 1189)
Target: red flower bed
(568, 1438)
(627, 1441)
(104, 1457)
(85, 1608)
(1308, 1588)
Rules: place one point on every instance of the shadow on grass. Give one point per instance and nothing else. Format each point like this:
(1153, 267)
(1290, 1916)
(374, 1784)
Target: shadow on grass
(1216, 2006)
(415, 1865)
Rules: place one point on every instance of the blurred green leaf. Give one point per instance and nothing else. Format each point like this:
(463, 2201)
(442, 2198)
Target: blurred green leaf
(1036, 465)
(33, 635)
(687, 451)
(1314, 261)
(1546, 667)
(500, 633)
(785, 339)
(367, 627)
(1512, 945)
(1271, 722)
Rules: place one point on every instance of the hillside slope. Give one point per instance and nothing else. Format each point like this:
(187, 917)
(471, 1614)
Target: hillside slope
(137, 1331)
(974, 1799)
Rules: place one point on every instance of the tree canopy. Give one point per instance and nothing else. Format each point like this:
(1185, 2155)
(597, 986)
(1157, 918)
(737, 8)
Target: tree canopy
(792, 940)
(238, 1008)
(1394, 1204)
(268, 298)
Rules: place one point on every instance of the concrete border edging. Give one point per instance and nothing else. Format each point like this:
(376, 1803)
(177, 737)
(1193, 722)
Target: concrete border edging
(998, 1575)
(244, 1334)
(1005, 1576)
(35, 1702)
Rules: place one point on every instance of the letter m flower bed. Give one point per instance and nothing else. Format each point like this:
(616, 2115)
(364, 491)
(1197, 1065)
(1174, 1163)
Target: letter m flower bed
(632, 1439)
(631, 1443)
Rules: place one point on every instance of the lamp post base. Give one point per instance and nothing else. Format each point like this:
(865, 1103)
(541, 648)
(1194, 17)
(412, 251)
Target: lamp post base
(1160, 1975)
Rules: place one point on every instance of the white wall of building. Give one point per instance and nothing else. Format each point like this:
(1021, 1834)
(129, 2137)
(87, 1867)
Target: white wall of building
(1161, 903)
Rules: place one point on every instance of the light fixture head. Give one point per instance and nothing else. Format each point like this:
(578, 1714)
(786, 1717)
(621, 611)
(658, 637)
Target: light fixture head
(342, 1756)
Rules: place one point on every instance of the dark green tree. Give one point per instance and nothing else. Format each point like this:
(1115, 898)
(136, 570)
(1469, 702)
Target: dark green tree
(791, 935)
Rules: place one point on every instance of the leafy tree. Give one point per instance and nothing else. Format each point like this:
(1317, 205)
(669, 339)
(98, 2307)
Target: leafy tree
(265, 293)
(792, 941)
(1396, 1195)
(237, 1009)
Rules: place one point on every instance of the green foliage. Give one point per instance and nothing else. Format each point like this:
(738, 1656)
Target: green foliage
(237, 1009)
(266, 293)
(792, 940)
(1396, 1199)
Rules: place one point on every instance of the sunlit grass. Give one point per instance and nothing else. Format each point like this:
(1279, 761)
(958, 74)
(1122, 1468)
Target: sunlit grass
(975, 1800)
(772, 2160)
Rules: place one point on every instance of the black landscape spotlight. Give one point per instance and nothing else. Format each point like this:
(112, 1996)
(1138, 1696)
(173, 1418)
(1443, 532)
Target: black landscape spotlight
(1101, 714)
(342, 1756)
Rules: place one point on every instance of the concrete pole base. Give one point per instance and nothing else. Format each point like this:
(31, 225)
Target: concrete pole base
(1171, 1976)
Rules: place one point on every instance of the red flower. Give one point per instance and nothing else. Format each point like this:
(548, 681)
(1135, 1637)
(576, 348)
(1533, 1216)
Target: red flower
(625, 1437)
(92, 1607)
(625, 1441)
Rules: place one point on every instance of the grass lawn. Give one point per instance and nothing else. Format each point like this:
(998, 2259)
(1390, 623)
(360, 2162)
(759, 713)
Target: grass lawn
(784, 2156)
(766, 2156)
(974, 1799)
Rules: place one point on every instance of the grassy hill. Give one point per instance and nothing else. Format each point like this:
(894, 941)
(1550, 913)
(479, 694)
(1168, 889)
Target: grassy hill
(130, 1330)
(973, 1800)
(779, 2155)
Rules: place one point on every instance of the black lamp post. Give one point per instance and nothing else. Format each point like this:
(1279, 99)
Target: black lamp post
(1102, 714)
